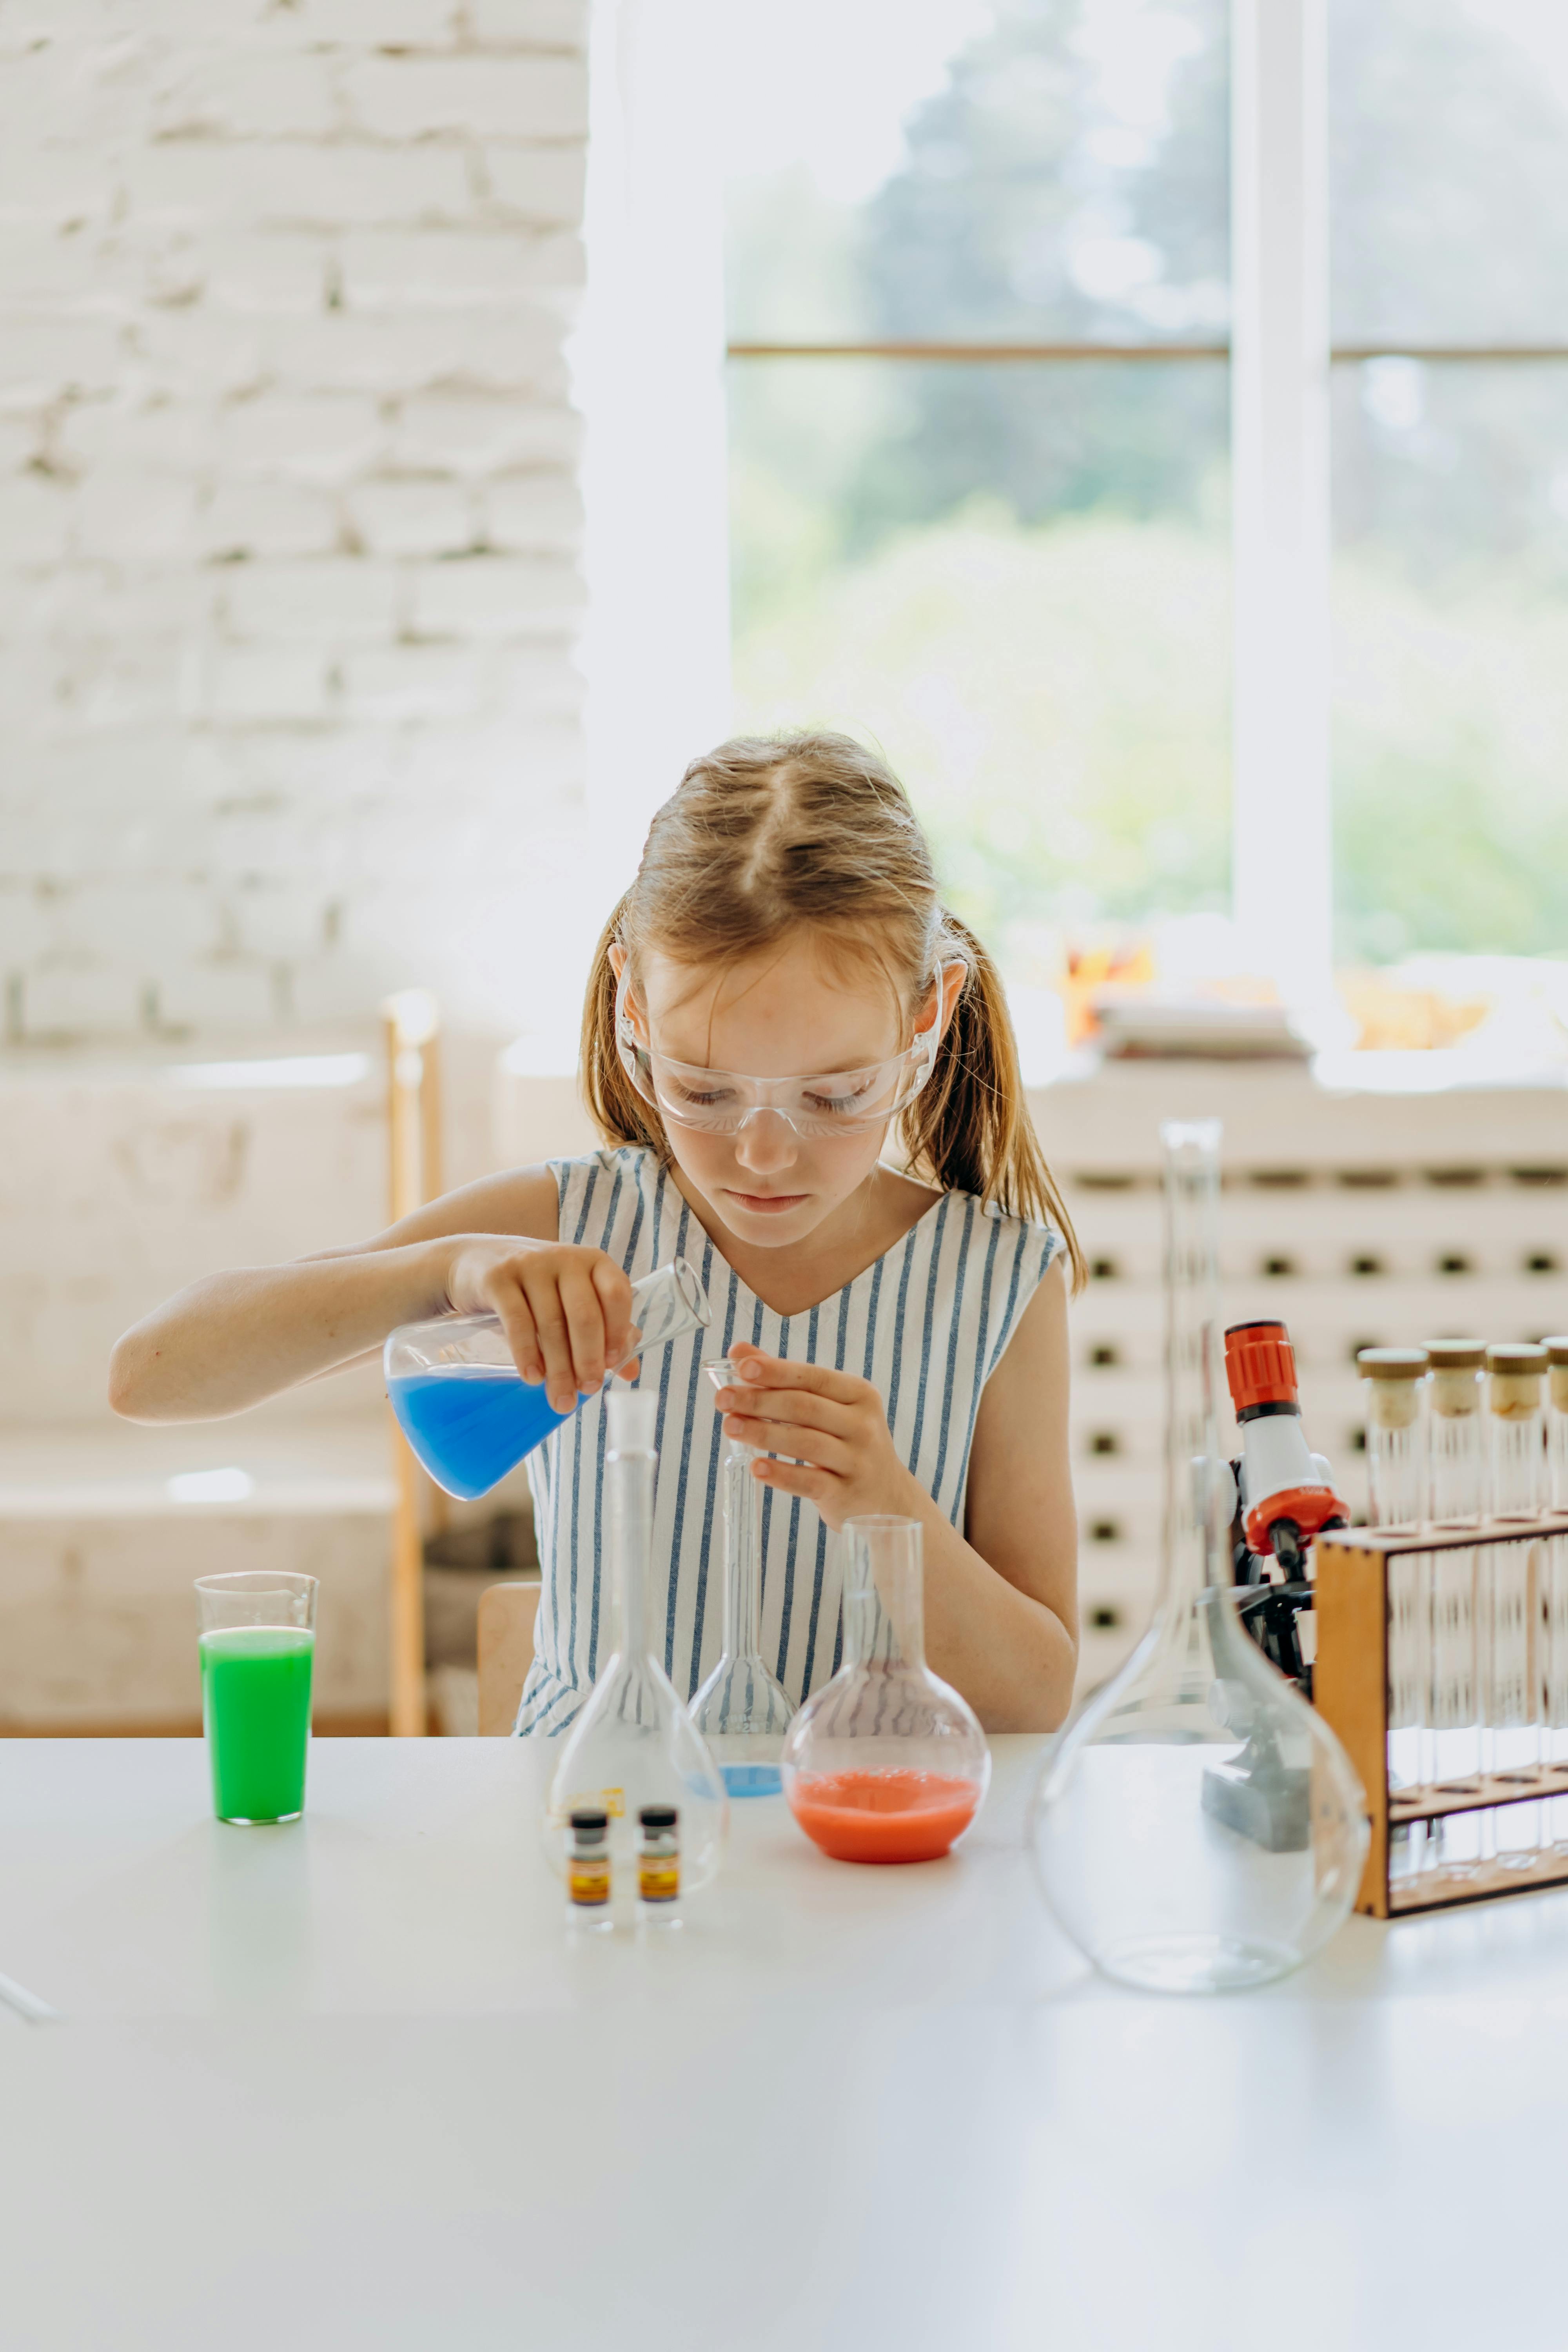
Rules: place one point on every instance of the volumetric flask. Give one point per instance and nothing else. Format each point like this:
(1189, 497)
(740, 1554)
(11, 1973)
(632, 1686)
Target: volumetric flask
(743, 1710)
(1199, 1827)
(885, 1763)
(635, 1743)
(465, 1409)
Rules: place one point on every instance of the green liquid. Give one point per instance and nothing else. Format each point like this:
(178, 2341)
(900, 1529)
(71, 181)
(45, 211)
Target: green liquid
(255, 1708)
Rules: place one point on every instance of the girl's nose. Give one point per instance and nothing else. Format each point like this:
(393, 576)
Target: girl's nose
(766, 1141)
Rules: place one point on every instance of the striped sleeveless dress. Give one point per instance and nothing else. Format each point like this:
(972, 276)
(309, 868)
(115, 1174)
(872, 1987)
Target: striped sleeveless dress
(928, 1323)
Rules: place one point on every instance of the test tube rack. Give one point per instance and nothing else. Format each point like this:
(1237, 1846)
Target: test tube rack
(1350, 1690)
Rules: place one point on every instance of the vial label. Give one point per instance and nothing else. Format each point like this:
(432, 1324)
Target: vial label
(588, 1882)
(659, 1881)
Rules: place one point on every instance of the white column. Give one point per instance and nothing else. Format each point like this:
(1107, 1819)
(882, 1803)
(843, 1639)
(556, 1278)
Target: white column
(1279, 441)
(650, 363)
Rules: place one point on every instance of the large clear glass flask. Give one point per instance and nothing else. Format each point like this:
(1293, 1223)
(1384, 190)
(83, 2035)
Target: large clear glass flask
(465, 1409)
(1199, 1827)
(635, 1743)
(743, 1710)
(885, 1763)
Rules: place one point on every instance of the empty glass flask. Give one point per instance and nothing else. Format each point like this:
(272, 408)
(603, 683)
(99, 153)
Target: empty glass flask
(885, 1763)
(1199, 1827)
(465, 1409)
(635, 1743)
(743, 1710)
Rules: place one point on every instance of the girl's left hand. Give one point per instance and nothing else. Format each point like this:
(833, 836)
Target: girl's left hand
(833, 1427)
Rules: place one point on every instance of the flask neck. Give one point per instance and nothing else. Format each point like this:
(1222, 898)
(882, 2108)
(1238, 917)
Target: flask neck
(628, 1483)
(884, 1599)
(1196, 1547)
(742, 1563)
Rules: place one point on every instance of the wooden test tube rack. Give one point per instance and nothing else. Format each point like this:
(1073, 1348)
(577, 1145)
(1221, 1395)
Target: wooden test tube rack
(1349, 1687)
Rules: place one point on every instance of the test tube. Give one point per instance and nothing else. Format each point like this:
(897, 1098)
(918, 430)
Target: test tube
(1456, 1495)
(1554, 1586)
(1396, 1468)
(1511, 1743)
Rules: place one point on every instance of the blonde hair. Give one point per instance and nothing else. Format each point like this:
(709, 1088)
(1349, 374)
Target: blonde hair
(770, 833)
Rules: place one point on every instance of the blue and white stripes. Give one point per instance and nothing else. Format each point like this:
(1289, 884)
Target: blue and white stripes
(927, 1323)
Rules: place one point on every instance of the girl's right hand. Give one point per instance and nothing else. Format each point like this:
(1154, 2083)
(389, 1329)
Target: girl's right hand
(566, 1311)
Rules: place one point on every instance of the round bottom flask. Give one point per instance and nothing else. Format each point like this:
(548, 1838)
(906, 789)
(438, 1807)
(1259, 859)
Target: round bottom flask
(1199, 1827)
(635, 1745)
(885, 1763)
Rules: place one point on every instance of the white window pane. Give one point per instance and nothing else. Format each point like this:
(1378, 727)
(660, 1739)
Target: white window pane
(928, 169)
(1449, 142)
(1451, 657)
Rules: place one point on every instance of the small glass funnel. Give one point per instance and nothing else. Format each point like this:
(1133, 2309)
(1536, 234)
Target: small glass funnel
(635, 1743)
(1199, 1827)
(465, 1409)
(743, 1710)
(885, 1763)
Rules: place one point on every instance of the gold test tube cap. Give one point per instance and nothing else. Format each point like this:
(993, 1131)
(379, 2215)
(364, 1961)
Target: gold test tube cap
(1392, 1363)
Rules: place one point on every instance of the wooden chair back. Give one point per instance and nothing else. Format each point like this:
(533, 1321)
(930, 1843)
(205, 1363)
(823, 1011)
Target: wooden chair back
(506, 1614)
(411, 1028)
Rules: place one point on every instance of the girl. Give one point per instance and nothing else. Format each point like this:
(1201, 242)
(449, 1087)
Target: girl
(901, 1330)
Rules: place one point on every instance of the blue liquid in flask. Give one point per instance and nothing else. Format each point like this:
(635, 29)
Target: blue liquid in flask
(472, 1424)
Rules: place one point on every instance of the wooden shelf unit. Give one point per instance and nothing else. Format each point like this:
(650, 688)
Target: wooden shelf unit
(1351, 1689)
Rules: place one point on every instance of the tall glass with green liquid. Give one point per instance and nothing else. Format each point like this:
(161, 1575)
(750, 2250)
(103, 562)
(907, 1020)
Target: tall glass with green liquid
(257, 1648)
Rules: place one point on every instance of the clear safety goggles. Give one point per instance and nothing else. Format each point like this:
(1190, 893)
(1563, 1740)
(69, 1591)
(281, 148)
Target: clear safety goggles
(722, 1102)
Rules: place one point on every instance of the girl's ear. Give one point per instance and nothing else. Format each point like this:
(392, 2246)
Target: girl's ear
(941, 1001)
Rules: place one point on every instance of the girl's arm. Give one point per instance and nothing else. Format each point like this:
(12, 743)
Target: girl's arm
(235, 1339)
(1001, 1600)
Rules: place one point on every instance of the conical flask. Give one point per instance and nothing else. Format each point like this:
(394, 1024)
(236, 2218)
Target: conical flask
(1199, 1827)
(465, 1409)
(635, 1743)
(885, 1763)
(743, 1710)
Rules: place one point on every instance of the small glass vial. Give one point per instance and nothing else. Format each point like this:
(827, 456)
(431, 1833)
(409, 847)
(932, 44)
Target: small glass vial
(1396, 1470)
(1456, 1497)
(659, 1866)
(588, 1869)
(1511, 1575)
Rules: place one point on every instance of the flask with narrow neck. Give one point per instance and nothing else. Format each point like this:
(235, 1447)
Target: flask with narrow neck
(886, 1762)
(465, 1409)
(743, 1709)
(635, 1743)
(1199, 1827)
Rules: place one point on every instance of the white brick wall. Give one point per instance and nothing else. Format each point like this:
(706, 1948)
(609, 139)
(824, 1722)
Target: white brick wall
(289, 514)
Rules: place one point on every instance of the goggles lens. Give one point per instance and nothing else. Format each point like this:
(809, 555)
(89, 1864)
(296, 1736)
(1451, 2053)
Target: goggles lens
(721, 1102)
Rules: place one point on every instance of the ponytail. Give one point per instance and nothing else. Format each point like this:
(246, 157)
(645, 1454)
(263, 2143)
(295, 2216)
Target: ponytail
(612, 1102)
(970, 1125)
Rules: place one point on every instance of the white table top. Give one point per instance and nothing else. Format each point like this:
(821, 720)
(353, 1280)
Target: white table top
(349, 2083)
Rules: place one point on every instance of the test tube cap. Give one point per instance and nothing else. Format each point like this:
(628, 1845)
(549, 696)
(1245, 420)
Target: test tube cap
(632, 1416)
(1556, 1347)
(1520, 1360)
(1456, 1355)
(1392, 1363)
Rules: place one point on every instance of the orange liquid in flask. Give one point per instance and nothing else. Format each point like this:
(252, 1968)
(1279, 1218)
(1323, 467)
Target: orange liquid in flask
(882, 1816)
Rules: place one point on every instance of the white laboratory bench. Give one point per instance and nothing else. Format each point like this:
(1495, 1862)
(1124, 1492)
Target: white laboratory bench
(348, 2084)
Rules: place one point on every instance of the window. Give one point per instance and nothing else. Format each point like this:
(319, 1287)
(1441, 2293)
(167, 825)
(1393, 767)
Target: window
(1448, 123)
(980, 389)
(977, 266)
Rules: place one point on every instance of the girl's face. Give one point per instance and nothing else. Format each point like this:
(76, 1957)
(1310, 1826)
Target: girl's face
(789, 1013)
